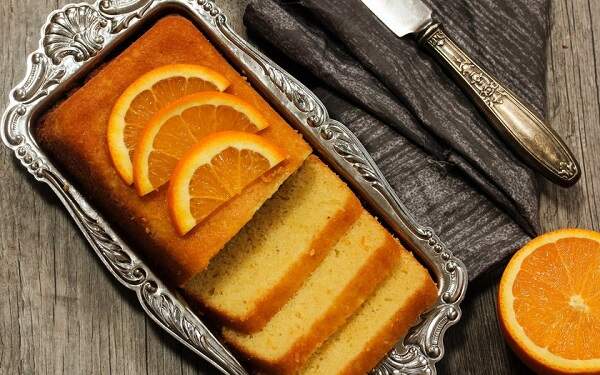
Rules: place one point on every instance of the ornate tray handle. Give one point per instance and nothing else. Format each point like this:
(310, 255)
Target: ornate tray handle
(78, 34)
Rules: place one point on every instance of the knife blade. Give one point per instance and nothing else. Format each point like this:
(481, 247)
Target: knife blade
(401, 16)
(531, 138)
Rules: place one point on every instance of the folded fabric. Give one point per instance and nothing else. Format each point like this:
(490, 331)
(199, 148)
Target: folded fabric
(344, 46)
(476, 230)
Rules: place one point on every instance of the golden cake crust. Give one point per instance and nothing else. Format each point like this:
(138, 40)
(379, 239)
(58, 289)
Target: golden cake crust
(354, 294)
(74, 135)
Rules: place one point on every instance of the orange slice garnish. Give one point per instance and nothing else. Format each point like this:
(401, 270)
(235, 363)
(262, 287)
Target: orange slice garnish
(549, 302)
(215, 170)
(144, 98)
(182, 124)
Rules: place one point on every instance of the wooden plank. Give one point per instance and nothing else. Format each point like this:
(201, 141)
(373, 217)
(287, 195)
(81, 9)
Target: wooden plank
(574, 111)
(62, 313)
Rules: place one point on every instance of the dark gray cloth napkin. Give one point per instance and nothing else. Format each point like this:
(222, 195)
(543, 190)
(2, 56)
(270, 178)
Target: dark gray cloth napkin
(434, 147)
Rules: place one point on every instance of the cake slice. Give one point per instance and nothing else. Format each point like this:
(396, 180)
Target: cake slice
(357, 264)
(261, 268)
(381, 322)
(74, 136)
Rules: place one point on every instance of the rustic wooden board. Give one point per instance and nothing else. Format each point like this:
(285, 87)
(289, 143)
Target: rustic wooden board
(62, 313)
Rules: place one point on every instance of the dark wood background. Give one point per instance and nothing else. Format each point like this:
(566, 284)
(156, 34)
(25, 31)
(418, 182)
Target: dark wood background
(62, 313)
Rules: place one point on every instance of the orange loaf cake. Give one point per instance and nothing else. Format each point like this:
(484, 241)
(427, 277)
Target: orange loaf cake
(260, 268)
(378, 325)
(74, 135)
(349, 273)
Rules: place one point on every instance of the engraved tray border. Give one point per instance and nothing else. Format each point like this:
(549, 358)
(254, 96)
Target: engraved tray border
(78, 35)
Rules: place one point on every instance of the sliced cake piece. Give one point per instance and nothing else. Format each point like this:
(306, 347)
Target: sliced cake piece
(349, 273)
(381, 322)
(261, 268)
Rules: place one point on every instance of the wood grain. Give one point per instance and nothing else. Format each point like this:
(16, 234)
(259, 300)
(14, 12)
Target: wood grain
(62, 313)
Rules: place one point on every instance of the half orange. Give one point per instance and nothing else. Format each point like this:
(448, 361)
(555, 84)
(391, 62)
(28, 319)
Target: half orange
(144, 98)
(549, 302)
(215, 170)
(182, 124)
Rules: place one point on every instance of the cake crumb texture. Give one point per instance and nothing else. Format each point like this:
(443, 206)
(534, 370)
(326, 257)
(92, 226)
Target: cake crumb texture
(357, 264)
(260, 269)
(378, 325)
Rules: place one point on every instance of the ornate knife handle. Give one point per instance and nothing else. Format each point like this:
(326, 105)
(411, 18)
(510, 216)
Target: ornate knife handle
(529, 136)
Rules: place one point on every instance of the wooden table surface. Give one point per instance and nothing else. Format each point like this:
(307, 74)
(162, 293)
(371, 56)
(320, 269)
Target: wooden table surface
(62, 313)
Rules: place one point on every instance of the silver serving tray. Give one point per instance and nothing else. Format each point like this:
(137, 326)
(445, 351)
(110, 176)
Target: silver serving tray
(79, 36)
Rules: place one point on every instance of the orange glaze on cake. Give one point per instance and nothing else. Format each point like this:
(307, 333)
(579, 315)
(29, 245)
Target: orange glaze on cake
(74, 135)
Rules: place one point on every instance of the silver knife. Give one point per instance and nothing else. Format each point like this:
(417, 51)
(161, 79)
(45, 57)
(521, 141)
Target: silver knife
(537, 144)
